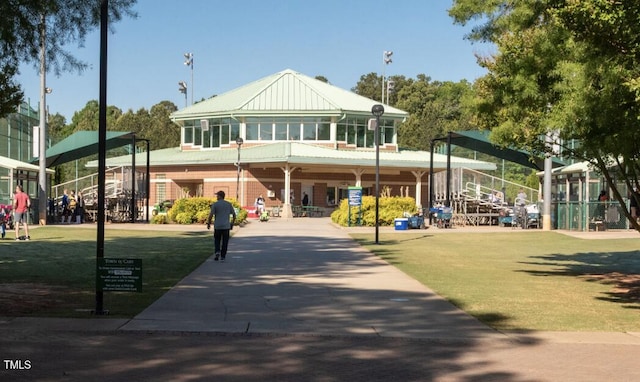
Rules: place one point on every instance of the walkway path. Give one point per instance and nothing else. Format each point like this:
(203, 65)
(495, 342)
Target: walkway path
(298, 300)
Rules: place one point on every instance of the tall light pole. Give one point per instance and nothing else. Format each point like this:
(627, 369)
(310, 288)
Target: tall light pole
(183, 89)
(386, 60)
(239, 142)
(188, 60)
(377, 111)
(42, 131)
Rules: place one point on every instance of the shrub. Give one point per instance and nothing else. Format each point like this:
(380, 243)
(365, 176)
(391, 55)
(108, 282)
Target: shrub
(389, 209)
(196, 210)
(159, 219)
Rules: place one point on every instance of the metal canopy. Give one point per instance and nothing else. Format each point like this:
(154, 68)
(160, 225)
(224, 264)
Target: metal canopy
(82, 144)
(479, 141)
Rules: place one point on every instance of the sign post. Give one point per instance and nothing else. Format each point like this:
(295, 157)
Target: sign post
(119, 275)
(355, 200)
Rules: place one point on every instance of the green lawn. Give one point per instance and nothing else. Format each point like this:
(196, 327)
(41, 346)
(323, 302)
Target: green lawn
(525, 280)
(54, 274)
(511, 280)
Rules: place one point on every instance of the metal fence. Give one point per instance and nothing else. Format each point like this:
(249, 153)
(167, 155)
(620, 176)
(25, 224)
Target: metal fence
(588, 216)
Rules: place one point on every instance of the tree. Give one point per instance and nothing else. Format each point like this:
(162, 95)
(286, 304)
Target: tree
(370, 86)
(65, 22)
(435, 108)
(162, 131)
(10, 93)
(565, 66)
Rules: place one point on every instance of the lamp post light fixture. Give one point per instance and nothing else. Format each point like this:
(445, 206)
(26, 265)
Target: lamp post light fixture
(377, 111)
(239, 142)
(386, 60)
(188, 60)
(183, 89)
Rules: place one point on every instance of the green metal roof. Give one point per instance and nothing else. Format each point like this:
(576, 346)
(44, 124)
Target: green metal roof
(284, 94)
(479, 141)
(82, 144)
(298, 153)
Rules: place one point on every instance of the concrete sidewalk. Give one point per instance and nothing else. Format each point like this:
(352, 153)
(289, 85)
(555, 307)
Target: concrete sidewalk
(299, 300)
(305, 276)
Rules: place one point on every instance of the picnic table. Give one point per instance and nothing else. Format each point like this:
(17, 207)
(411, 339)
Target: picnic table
(308, 211)
(312, 211)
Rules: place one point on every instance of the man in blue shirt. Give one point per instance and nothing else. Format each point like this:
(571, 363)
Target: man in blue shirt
(222, 211)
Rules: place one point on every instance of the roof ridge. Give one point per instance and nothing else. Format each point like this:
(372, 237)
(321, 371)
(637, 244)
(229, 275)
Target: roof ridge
(298, 76)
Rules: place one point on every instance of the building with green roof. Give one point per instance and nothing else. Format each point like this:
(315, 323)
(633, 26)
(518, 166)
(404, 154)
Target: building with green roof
(291, 134)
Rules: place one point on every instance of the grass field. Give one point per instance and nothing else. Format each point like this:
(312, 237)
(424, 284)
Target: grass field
(54, 274)
(509, 280)
(528, 280)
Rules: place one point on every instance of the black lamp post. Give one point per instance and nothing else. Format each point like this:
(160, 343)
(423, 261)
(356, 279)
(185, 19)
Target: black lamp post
(239, 142)
(377, 111)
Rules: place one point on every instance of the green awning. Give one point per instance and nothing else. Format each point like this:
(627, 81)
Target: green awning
(479, 141)
(83, 144)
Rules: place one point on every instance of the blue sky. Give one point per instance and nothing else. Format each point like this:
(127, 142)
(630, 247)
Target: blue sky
(236, 42)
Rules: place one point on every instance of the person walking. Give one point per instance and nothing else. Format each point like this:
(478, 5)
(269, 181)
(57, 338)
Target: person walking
(224, 218)
(21, 205)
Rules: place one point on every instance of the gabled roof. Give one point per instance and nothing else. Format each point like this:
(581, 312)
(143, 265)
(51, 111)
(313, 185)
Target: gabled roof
(298, 153)
(285, 93)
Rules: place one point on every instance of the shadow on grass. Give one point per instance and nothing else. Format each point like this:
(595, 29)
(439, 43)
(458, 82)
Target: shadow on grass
(56, 270)
(619, 270)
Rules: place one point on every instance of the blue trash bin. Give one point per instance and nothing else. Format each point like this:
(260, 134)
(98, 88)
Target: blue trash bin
(401, 224)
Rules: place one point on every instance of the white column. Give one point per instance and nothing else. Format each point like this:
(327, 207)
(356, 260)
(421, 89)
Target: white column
(418, 175)
(286, 207)
(358, 173)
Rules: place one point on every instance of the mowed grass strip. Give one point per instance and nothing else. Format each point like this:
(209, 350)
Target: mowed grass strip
(55, 273)
(525, 280)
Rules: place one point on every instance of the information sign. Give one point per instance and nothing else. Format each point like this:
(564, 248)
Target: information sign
(355, 196)
(119, 275)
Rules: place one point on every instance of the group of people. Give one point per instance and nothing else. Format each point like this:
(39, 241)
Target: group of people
(72, 207)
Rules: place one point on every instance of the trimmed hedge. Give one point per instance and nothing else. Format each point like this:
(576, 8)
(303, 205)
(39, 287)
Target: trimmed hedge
(196, 210)
(389, 209)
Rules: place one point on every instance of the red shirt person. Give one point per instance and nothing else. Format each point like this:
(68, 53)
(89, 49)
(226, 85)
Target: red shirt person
(21, 204)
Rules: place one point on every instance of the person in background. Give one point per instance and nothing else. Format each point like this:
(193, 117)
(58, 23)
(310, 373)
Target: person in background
(603, 197)
(521, 198)
(64, 205)
(305, 199)
(221, 211)
(3, 220)
(633, 203)
(21, 205)
(79, 211)
(259, 205)
(72, 206)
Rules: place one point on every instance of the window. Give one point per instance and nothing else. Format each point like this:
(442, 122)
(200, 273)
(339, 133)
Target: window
(161, 188)
(197, 134)
(309, 129)
(357, 132)
(188, 132)
(281, 127)
(294, 130)
(253, 127)
(221, 132)
(324, 130)
(266, 131)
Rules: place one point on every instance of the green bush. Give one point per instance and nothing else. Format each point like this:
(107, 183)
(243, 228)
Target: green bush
(196, 210)
(389, 209)
(159, 219)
